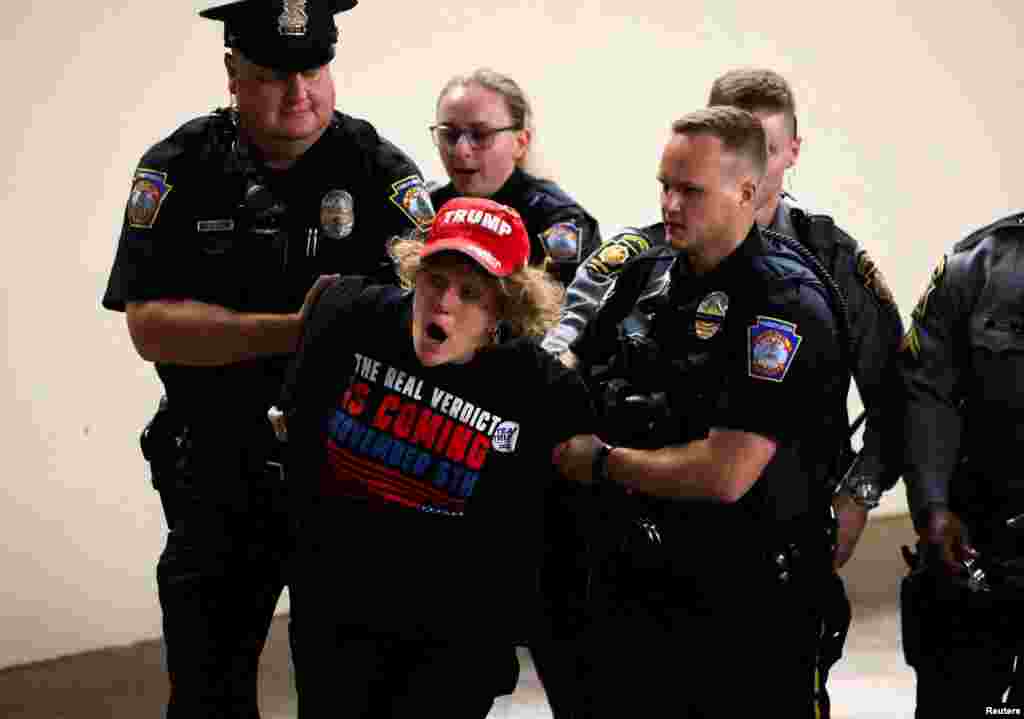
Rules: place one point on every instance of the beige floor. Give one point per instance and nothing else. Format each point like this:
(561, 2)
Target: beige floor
(870, 682)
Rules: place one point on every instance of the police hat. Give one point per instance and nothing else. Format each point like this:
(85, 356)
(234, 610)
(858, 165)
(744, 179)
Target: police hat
(289, 35)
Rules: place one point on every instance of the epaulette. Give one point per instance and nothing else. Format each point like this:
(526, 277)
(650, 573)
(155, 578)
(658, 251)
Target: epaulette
(548, 196)
(188, 139)
(818, 231)
(220, 132)
(1015, 220)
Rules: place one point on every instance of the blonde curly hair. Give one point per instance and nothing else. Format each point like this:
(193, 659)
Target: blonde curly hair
(529, 299)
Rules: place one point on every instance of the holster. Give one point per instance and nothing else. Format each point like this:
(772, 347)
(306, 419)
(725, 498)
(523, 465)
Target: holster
(836, 617)
(913, 604)
(164, 443)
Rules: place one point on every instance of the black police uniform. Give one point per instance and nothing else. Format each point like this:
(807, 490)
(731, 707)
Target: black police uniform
(963, 363)
(698, 608)
(875, 330)
(206, 220)
(875, 325)
(561, 232)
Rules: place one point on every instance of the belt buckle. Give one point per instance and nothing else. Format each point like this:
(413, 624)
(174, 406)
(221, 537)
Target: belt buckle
(276, 467)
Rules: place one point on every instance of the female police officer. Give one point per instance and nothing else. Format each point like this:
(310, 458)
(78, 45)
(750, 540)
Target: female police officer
(421, 466)
(484, 132)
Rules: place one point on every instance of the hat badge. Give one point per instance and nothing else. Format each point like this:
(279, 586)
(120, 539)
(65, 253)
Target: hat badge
(293, 18)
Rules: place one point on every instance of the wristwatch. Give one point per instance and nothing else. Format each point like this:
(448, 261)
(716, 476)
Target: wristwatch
(600, 469)
(865, 490)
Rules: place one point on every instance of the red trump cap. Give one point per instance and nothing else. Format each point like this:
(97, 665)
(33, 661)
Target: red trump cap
(491, 234)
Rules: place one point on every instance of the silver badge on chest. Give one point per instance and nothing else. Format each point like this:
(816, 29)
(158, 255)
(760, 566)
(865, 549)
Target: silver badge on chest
(710, 315)
(337, 214)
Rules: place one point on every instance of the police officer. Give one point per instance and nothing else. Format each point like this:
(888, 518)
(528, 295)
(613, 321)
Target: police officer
(963, 623)
(875, 324)
(484, 132)
(231, 225)
(874, 320)
(705, 598)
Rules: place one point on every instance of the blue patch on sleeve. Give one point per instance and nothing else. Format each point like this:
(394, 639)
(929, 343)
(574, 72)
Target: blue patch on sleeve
(773, 344)
(149, 188)
(562, 242)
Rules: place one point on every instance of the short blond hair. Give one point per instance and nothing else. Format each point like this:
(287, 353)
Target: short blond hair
(741, 133)
(529, 299)
(756, 89)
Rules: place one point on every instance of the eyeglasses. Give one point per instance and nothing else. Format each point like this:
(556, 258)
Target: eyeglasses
(479, 138)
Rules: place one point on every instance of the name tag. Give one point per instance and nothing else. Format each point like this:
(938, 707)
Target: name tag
(215, 225)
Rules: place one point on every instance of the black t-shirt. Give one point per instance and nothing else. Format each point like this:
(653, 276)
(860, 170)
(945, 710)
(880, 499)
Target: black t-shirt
(206, 220)
(420, 489)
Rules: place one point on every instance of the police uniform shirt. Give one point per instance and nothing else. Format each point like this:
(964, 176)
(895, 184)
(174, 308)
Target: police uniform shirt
(206, 220)
(426, 484)
(876, 329)
(595, 280)
(762, 352)
(561, 232)
(962, 363)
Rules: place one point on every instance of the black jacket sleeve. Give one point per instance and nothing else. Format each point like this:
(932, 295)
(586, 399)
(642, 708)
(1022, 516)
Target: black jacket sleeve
(931, 364)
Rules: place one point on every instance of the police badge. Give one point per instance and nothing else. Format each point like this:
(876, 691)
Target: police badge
(337, 214)
(293, 18)
(710, 314)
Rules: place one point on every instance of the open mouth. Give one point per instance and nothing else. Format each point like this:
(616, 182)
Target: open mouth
(435, 332)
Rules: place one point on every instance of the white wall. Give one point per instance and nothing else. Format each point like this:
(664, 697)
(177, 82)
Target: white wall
(909, 113)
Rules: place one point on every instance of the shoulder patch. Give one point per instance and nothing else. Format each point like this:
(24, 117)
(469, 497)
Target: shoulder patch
(771, 348)
(872, 278)
(616, 252)
(922, 304)
(562, 242)
(911, 341)
(410, 195)
(149, 189)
